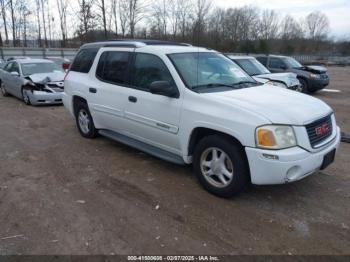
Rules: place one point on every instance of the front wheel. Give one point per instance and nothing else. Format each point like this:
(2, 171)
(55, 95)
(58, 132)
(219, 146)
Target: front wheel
(25, 97)
(304, 87)
(220, 166)
(85, 122)
(3, 90)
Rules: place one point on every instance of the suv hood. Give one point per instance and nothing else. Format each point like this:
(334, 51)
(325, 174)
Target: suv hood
(279, 105)
(315, 69)
(290, 79)
(43, 78)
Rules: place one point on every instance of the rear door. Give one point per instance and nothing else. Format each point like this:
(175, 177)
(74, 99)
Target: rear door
(152, 118)
(108, 88)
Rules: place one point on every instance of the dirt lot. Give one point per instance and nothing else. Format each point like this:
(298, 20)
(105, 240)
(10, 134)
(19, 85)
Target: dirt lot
(63, 194)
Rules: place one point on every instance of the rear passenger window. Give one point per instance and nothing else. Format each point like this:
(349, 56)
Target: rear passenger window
(84, 60)
(149, 68)
(113, 67)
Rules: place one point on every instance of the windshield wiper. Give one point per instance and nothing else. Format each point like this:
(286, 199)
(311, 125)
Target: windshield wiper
(211, 85)
(244, 82)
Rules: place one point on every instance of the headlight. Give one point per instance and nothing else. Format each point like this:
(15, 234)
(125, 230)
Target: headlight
(279, 84)
(314, 75)
(275, 137)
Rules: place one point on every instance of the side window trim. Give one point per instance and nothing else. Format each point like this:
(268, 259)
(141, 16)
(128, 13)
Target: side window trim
(132, 67)
(127, 77)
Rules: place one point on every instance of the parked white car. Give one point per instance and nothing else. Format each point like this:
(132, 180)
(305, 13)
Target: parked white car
(193, 105)
(261, 74)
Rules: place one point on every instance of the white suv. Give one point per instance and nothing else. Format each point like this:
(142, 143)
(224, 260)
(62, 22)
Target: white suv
(189, 105)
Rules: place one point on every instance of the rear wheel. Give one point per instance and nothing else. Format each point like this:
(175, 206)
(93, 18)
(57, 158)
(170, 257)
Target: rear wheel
(220, 166)
(304, 86)
(3, 90)
(84, 121)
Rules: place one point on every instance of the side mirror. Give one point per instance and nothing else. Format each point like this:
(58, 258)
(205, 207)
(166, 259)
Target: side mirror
(163, 88)
(14, 73)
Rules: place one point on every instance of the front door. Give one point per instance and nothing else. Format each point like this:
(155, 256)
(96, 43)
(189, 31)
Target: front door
(152, 118)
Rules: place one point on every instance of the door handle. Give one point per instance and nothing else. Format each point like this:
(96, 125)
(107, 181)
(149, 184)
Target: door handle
(92, 90)
(132, 99)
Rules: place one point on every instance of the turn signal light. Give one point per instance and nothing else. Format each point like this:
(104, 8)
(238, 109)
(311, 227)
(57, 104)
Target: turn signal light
(266, 138)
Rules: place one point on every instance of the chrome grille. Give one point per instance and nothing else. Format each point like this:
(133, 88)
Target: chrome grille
(319, 130)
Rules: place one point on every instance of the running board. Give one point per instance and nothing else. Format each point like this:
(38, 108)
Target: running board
(152, 150)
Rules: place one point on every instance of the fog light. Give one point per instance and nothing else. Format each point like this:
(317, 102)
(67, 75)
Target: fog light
(293, 173)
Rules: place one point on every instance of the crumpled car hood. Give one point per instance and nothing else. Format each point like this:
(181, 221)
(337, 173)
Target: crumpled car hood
(43, 78)
(290, 79)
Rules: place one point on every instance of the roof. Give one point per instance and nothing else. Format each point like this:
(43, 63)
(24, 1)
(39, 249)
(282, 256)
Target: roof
(151, 46)
(240, 57)
(270, 56)
(135, 43)
(32, 60)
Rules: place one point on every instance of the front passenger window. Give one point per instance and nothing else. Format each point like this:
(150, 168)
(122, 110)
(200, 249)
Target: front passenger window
(150, 68)
(276, 63)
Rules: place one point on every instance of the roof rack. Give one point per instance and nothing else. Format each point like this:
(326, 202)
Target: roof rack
(133, 43)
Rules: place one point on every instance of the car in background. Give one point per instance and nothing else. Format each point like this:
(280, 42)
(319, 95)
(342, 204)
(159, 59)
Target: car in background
(2, 63)
(312, 78)
(35, 81)
(17, 57)
(261, 74)
(61, 61)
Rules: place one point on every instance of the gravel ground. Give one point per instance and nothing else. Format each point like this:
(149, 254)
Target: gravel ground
(63, 194)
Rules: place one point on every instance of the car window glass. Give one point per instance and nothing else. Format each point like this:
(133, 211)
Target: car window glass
(148, 69)
(262, 60)
(8, 67)
(84, 60)
(276, 63)
(113, 67)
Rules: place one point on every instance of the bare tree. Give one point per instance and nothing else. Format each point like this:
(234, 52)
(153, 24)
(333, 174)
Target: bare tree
(62, 13)
(135, 15)
(290, 28)
(185, 8)
(123, 15)
(13, 22)
(3, 13)
(115, 15)
(43, 2)
(159, 17)
(268, 24)
(101, 5)
(37, 2)
(202, 8)
(317, 25)
(86, 18)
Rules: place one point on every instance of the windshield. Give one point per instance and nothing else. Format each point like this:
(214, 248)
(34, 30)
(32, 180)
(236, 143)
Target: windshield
(291, 62)
(209, 70)
(252, 66)
(36, 68)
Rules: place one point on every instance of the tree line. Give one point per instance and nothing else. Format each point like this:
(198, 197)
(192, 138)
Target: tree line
(70, 23)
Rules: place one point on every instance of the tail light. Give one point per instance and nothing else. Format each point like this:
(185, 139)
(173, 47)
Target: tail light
(65, 66)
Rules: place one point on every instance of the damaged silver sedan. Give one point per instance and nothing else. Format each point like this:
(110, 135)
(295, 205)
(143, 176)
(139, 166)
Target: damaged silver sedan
(35, 81)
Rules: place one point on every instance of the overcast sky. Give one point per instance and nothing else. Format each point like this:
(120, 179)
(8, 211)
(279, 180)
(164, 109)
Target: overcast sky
(338, 11)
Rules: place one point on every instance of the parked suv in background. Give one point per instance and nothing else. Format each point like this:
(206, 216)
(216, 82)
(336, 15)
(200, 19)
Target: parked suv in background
(312, 78)
(261, 74)
(189, 105)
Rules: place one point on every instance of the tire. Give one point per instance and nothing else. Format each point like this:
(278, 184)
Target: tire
(236, 175)
(25, 98)
(84, 121)
(304, 86)
(3, 90)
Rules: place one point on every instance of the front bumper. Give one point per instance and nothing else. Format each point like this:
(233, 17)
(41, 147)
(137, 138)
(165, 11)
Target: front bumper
(44, 98)
(292, 164)
(318, 84)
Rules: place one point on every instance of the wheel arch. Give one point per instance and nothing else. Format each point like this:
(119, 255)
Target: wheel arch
(77, 99)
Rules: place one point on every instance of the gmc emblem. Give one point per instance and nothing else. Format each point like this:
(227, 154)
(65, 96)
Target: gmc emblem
(321, 130)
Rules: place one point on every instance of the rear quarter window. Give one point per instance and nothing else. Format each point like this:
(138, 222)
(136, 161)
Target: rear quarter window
(84, 60)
